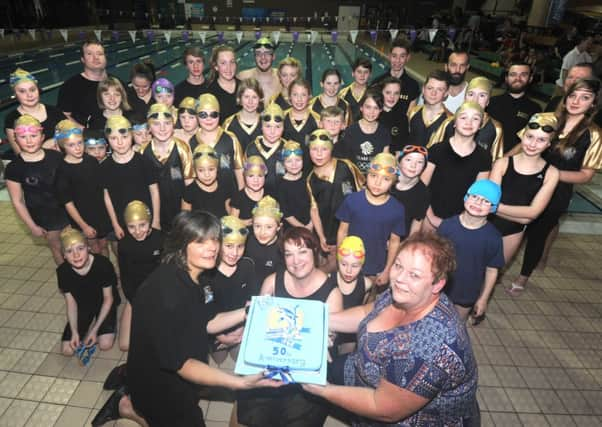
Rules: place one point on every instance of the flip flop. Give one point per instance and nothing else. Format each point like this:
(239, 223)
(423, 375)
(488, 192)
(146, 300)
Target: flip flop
(515, 290)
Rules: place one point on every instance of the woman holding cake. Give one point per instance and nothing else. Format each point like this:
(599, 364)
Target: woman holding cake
(413, 364)
(168, 359)
(301, 279)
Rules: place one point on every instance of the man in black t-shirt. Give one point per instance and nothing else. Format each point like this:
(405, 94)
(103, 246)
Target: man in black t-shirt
(399, 55)
(77, 97)
(513, 109)
(194, 85)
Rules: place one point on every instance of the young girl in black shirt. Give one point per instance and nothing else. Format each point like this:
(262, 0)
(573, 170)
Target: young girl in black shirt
(139, 254)
(292, 189)
(31, 181)
(79, 187)
(233, 284)
(207, 192)
(188, 123)
(262, 246)
(244, 200)
(88, 283)
(331, 83)
(300, 120)
(246, 124)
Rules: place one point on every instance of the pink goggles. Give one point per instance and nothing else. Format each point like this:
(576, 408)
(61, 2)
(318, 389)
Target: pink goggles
(24, 129)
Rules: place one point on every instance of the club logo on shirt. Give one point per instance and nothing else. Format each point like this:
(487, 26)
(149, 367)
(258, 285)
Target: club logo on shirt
(540, 176)
(224, 161)
(208, 294)
(569, 153)
(32, 181)
(367, 148)
(175, 173)
(269, 263)
(157, 252)
(346, 188)
(522, 115)
(243, 285)
(394, 131)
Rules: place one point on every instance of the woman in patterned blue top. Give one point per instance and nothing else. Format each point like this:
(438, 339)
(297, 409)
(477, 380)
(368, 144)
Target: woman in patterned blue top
(414, 364)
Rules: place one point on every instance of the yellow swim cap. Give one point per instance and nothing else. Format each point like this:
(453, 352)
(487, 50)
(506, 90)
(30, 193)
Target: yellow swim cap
(233, 230)
(352, 245)
(70, 236)
(269, 207)
(136, 211)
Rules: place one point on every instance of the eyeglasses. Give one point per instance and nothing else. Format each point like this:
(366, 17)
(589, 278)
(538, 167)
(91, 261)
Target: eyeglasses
(95, 141)
(67, 133)
(321, 137)
(163, 89)
(190, 111)
(244, 231)
(205, 114)
(122, 131)
(545, 128)
(296, 152)
(415, 148)
(377, 167)
(23, 129)
(260, 54)
(356, 254)
(479, 200)
(155, 116)
(270, 118)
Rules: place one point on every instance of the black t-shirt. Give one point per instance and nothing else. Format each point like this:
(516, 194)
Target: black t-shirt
(227, 101)
(98, 120)
(185, 88)
(360, 147)
(169, 326)
(137, 260)
(139, 107)
(87, 289)
(214, 202)
(38, 182)
(81, 183)
(128, 181)
(232, 292)
(396, 121)
(77, 96)
(513, 114)
(242, 202)
(294, 199)
(453, 175)
(416, 201)
(267, 258)
(53, 116)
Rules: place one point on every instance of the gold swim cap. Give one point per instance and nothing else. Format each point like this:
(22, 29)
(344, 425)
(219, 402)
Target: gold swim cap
(233, 230)
(469, 105)
(204, 153)
(480, 82)
(291, 148)
(27, 120)
(320, 137)
(70, 236)
(548, 122)
(20, 76)
(272, 113)
(384, 164)
(255, 164)
(189, 103)
(269, 207)
(264, 42)
(207, 102)
(159, 110)
(352, 245)
(117, 123)
(65, 129)
(136, 211)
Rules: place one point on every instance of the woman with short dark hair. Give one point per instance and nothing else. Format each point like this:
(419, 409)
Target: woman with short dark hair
(172, 317)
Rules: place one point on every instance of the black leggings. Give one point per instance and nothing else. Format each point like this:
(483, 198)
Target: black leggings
(539, 230)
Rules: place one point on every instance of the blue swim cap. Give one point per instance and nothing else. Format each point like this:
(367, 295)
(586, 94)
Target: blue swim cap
(488, 190)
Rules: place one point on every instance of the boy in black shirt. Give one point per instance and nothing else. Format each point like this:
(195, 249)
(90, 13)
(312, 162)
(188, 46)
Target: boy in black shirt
(88, 283)
(194, 85)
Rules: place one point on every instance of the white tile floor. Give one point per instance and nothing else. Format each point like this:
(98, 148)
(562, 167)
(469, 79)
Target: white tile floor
(540, 359)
